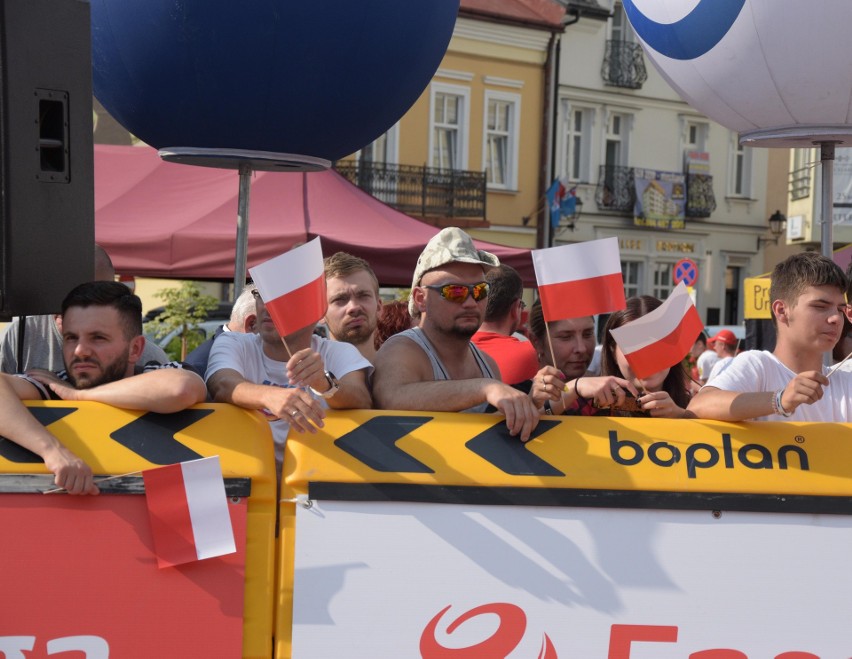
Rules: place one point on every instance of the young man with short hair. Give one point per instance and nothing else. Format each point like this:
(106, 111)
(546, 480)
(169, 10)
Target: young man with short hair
(724, 345)
(101, 343)
(354, 304)
(504, 310)
(808, 305)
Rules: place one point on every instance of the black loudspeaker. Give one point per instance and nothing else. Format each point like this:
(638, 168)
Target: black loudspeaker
(47, 213)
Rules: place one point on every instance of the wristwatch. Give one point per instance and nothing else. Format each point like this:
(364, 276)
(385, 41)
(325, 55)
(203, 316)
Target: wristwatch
(333, 386)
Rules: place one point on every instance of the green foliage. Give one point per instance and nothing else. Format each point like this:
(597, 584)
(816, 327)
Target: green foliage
(185, 308)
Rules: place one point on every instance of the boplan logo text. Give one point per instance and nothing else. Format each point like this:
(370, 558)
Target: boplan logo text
(702, 455)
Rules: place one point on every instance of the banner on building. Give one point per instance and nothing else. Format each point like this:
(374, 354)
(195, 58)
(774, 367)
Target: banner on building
(660, 199)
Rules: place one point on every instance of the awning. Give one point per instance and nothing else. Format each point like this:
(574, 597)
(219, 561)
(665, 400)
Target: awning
(158, 219)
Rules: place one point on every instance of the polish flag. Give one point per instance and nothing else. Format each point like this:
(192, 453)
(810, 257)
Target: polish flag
(188, 510)
(579, 280)
(292, 286)
(661, 338)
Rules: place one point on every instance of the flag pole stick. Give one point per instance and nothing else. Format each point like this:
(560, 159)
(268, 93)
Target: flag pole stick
(289, 353)
(97, 482)
(838, 365)
(550, 345)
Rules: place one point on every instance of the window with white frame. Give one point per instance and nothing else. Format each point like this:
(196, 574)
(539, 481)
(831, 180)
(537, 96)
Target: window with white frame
(383, 149)
(615, 145)
(620, 26)
(740, 169)
(631, 274)
(695, 135)
(663, 285)
(500, 143)
(577, 133)
(449, 126)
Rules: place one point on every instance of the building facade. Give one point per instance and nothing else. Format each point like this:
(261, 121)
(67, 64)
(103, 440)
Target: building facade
(617, 124)
(471, 151)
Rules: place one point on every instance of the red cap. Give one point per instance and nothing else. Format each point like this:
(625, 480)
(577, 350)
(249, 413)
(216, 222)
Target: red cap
(725, 336)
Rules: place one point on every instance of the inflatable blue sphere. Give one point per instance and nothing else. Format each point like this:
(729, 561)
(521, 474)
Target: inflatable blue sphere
(776, 71)
(320, 78)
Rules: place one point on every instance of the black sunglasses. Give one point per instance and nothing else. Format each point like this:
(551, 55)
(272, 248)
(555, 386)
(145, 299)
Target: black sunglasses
(458, 293)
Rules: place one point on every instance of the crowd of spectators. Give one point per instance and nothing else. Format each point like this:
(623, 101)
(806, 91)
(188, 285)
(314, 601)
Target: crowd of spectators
(462, 342)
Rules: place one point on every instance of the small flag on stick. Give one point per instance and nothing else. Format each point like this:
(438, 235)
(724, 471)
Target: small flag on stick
(579, 280)
(661, 338)
(292, 286)
(188, 510)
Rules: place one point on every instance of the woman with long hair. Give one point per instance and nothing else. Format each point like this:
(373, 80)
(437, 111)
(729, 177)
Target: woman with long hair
(565, 349)
(663, 394)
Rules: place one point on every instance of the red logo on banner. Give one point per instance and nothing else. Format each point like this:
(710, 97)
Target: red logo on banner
(510, 631)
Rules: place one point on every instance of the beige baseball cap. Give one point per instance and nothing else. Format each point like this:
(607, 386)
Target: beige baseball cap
(450, 245)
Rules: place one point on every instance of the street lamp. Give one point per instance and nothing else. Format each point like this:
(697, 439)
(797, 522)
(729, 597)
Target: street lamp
(777, 225)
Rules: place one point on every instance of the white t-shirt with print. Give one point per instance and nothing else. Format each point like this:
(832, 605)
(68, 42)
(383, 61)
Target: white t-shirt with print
(244, 354)
(760, 370)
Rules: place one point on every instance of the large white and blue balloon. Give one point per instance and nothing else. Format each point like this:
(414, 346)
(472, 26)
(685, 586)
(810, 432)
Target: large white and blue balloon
(758, 67)
(320, 78)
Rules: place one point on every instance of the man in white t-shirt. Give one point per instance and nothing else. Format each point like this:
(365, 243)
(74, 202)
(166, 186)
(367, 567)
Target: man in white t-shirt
(724, 345)
(706, 359)
(808, 304)
(256, 371)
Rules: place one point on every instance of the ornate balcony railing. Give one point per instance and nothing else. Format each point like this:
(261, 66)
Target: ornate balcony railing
(800, 183)
(624, 65)
(700, 200)
(421, 191)
(616, 189)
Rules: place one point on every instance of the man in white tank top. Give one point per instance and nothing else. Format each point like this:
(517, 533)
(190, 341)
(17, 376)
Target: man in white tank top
(435, 366)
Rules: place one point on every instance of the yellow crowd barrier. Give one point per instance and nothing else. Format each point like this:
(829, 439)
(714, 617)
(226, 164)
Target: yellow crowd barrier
(115, 441)
(571, 461)
(450, 458)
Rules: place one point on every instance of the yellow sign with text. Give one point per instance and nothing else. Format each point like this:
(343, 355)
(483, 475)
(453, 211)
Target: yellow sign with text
(402, 451)
(756, 297)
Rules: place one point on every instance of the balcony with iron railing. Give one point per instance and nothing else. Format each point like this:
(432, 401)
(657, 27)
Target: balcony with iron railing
(624, 65)
(800, 183)
(616, 192)
(616, 189)
(700, 199)
(422, 191)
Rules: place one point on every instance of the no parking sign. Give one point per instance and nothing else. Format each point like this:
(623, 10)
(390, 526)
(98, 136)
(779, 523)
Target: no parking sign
(686, 271)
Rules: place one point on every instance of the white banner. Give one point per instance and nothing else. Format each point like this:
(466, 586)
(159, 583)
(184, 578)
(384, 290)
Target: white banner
(439, 581)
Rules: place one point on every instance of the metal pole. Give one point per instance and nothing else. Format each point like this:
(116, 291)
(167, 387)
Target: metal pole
(242, 229)
(826, 221)
(827, 218)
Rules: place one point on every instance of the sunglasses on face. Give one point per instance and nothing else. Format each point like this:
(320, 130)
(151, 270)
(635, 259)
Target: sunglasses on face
(458, 293)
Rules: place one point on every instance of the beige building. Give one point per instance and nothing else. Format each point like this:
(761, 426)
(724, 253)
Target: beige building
(471, 151)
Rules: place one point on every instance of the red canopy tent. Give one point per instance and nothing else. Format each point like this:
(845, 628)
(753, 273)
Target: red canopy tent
(158, 219)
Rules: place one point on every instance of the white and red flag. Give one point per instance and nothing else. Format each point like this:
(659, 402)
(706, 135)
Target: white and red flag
(292, 286)
(662, 338)
(578, 280)
(188, 510)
